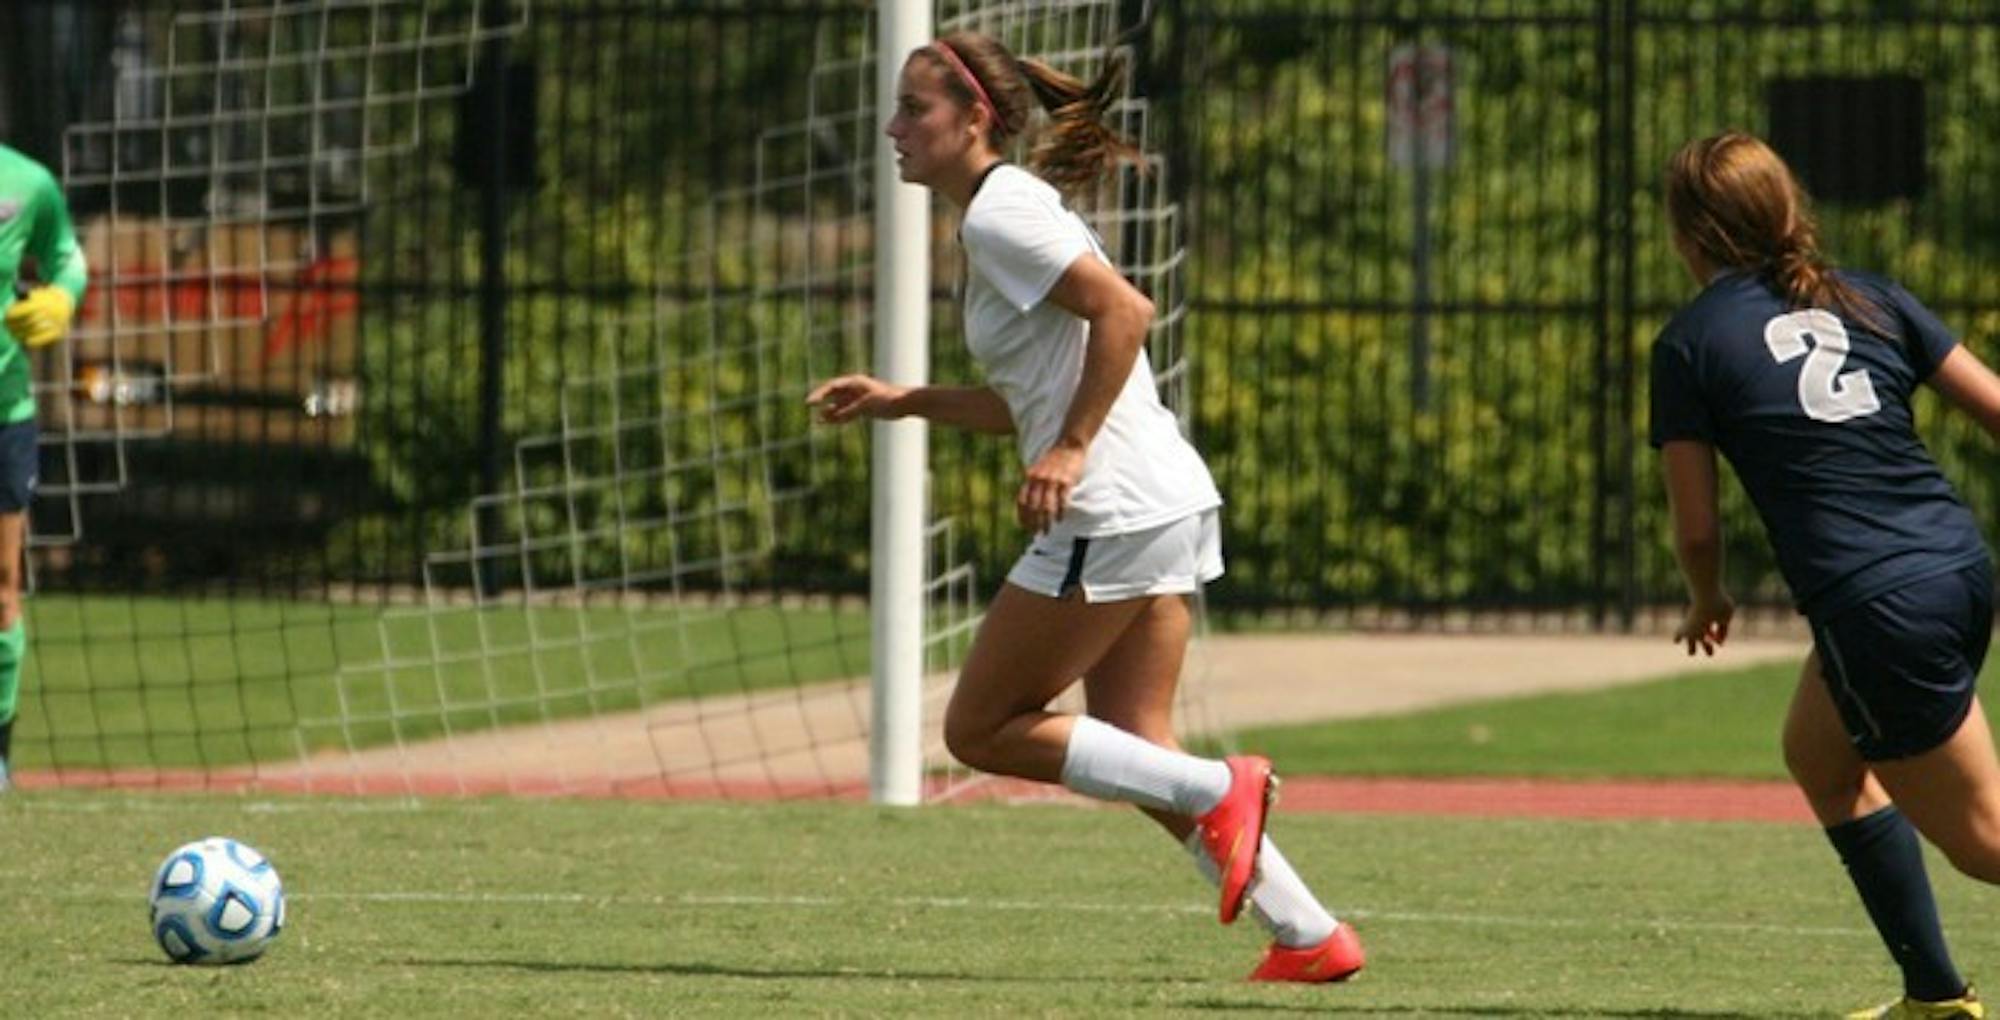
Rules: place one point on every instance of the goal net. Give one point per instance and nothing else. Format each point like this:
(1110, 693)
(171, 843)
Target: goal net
(660, 595)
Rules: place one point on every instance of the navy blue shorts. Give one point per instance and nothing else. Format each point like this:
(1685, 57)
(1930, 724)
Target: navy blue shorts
(1902, 666)
(20, 461)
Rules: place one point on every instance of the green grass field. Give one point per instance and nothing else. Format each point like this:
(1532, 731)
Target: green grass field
(594, 908)
(1711, 725)
(1708, 725)
(123, 681)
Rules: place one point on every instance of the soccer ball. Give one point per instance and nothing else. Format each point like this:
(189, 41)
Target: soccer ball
(216, 901)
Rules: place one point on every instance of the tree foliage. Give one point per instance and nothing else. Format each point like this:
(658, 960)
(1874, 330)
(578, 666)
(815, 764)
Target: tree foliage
(1413, 392)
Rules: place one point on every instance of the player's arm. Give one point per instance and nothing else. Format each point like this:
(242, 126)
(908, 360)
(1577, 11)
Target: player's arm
(850, 397)
(979, 408)
(1119, 316)
(55, 248)
(1971, 386)
(42, 315)
(1692, 498)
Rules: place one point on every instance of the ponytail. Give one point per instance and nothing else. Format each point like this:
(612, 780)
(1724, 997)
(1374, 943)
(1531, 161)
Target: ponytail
(1808, 281)
(1077, 147)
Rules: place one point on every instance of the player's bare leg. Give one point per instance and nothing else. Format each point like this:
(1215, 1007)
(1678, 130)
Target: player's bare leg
(1029, 649)
(1877, 844)
(1837, 783)
(1951, 793)
(1132, 686)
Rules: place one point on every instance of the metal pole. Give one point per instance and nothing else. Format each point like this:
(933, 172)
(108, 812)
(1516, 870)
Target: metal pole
(493, 202)
(901, 448)
(1420, 269)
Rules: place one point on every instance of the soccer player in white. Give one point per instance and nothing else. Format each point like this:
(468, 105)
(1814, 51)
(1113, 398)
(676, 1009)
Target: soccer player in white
(1122, 510)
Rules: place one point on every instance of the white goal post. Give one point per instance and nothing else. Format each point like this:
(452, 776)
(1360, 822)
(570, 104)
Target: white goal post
(900, 448)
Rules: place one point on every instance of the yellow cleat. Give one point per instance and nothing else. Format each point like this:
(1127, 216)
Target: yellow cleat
(1965, 1007)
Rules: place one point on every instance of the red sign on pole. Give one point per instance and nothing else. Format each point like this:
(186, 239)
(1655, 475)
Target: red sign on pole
(1419, 101)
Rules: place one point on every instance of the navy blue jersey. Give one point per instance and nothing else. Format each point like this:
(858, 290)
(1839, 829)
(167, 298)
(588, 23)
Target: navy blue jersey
(1812, 409)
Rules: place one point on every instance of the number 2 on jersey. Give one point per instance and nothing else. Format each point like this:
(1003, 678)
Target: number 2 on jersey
(1826, 393)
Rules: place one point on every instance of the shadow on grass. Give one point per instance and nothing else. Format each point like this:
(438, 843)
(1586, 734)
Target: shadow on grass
(1293, 1007)
(1379, 1009)
(775, 974)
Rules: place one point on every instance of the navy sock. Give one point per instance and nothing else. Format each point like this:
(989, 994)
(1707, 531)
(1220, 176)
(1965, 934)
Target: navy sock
(6, 739)
(1886, 864)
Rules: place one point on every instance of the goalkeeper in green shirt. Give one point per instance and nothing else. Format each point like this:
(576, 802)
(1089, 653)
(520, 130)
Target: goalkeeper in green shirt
(34, 221)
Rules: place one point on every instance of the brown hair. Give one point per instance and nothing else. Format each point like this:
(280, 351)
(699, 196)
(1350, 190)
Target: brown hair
(1077, 147)
(1735, 201)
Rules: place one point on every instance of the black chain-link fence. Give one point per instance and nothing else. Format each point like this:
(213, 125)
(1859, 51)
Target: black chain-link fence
(1426, 257)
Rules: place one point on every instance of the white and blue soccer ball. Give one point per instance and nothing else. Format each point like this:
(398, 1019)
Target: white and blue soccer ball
(216, 901)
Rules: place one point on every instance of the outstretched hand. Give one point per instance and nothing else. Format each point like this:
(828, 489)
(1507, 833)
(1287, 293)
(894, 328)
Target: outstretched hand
(1706, 624)
(845, 398)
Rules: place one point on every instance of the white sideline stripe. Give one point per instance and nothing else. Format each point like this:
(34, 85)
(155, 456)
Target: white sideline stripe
(1038, 906)
(354, 806)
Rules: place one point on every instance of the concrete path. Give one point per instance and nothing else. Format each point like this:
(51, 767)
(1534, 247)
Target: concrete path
(817, 735)
(1259, 679)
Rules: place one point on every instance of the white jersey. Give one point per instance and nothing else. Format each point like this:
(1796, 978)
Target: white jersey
(1140, 471)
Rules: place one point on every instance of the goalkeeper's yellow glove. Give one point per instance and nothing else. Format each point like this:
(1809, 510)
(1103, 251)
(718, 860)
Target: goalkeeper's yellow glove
(41, 316)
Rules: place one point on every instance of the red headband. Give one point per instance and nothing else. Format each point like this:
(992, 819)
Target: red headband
(978, 91)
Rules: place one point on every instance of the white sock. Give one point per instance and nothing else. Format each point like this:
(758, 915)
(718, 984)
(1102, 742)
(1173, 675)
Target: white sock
(1110, 764)
(1278, 897)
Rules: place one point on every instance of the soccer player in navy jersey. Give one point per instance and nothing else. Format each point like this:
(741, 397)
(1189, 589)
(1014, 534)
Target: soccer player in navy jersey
(1803, 377)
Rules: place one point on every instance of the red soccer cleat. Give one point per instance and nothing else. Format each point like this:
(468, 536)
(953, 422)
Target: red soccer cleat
(1336, 959)
(1233, 832)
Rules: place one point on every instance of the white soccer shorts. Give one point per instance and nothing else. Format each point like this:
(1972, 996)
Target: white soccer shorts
(1172, 559)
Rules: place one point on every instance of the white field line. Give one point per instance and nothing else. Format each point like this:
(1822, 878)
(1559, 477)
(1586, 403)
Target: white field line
(1651, 924)
(167, 803)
